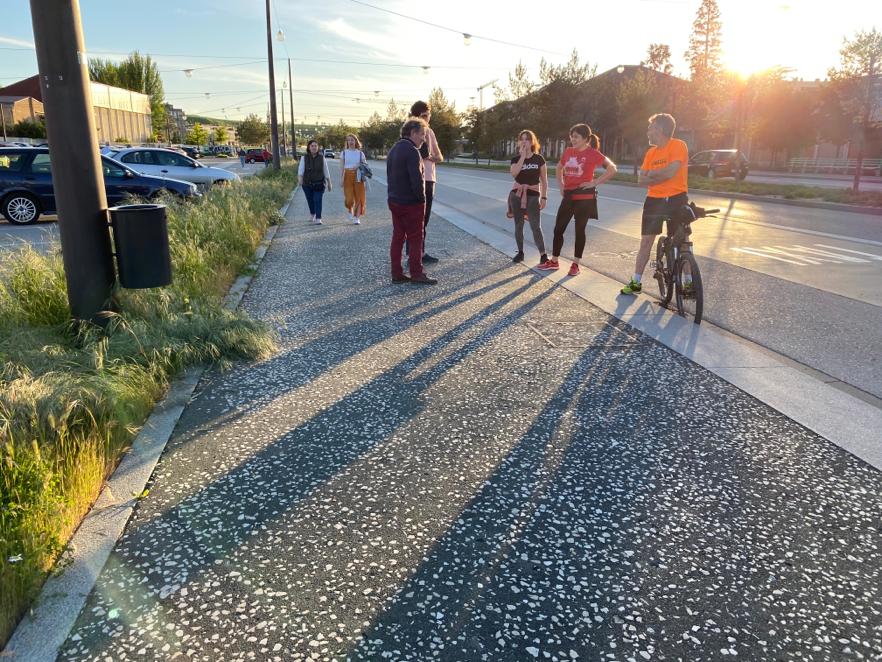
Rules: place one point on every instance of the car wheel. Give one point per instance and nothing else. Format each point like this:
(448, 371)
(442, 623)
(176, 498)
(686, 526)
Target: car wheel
(21, 209)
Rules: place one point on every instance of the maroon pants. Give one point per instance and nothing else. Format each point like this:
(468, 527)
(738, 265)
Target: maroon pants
(407, 223)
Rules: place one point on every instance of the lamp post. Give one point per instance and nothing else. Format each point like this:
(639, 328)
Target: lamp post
(284, 136)
(291, 104)
(274, 122)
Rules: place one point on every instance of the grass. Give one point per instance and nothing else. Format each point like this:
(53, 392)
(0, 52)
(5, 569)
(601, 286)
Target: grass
(786, 191)
(73, 397)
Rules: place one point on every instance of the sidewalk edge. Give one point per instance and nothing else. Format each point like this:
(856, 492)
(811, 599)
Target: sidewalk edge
(41, 633)
(837, 416)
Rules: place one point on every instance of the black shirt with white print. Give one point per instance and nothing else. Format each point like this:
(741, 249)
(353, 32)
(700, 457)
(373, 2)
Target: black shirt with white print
(529, 173)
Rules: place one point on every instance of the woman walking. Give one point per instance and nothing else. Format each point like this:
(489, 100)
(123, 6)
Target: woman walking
(529, 194)
(314, 176)
(353, 185)
(575, 176)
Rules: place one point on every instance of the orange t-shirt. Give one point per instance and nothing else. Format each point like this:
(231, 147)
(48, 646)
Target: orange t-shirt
(659, 157)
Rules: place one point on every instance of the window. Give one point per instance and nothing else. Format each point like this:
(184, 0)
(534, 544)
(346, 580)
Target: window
(111, 169)
(11, 161)
(171, 159)
(702, 157)
(41, 165)
(139, 157)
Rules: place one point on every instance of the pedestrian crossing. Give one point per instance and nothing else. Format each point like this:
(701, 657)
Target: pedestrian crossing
(811, 255)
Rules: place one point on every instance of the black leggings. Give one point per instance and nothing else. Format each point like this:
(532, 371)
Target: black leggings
(582, 210)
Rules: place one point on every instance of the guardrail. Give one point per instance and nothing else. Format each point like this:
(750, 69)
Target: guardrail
(843, 166)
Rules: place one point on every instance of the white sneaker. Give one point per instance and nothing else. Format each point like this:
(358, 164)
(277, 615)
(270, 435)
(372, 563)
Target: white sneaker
(350, 216)
(318, 221)
(355, 220)
(313, 218)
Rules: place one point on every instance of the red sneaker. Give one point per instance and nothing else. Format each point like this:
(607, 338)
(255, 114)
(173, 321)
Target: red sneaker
(550, 265)
(574, 270)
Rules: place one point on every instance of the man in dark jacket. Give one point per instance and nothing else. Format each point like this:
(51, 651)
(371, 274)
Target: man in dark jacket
(407, 201)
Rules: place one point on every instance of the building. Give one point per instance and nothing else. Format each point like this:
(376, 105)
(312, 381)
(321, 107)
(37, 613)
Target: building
(15, 109)
(175, 123)
(120, 115)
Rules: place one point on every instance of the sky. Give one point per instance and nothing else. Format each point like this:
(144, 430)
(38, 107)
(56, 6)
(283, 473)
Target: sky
(376, 55)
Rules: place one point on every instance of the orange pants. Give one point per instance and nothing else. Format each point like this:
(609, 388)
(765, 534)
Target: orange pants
(353, 192)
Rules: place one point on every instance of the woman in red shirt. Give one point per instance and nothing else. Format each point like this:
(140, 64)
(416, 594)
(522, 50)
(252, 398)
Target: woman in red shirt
(575, 176)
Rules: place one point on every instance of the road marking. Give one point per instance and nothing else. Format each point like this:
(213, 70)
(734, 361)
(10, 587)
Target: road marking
(815, 251)
(872, 256)
(759, 253)
(804, 256)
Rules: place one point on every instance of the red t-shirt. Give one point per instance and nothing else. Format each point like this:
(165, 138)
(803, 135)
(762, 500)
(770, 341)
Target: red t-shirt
(578, 168)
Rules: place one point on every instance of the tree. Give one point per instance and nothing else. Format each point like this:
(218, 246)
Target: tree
(197, 135)
(571, 73)
(705, 47)
(220, 135)
(30, 129)
(138, 73)
(519, 85)
(394, 113)
(446, 122)
(658, 57)
(638, 98)
(859, 83)
(253, 131)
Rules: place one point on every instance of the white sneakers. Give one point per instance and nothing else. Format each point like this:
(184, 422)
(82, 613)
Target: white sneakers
(355, 220)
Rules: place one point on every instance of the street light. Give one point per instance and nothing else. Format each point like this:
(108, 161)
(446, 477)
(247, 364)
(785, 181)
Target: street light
(188, 73)
(620, 68)
(466, 38)
(280, 36)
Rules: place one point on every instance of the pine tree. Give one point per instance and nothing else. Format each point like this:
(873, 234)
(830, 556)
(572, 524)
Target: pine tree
(705, 46)
(658, 57)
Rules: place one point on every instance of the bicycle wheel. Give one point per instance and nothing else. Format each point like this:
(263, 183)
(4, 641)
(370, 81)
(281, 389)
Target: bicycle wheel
(690, 294)
(663, 271)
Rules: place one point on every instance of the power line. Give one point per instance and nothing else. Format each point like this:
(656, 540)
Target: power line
(466, 35)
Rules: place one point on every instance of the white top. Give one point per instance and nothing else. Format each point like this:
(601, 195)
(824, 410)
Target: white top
(434, 152)
(351, 158)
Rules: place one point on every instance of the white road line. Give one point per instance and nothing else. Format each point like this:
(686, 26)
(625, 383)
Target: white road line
(758, 253)
(872, 256)
(816, 251)
(811, 260)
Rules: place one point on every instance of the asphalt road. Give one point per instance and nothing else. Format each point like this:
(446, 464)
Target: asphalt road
(802, 282)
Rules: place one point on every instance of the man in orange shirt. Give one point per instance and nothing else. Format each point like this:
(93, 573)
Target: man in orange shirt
(665, 173)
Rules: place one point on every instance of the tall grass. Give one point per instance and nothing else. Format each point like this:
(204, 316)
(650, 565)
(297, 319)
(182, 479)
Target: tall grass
(72, 398)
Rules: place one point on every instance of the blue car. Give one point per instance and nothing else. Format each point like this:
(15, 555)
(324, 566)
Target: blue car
(26, 189)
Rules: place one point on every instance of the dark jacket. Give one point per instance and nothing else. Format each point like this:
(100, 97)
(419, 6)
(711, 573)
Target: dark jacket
(404, 174)
(313, 169)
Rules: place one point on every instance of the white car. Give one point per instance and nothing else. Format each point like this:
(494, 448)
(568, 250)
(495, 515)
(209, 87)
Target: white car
(169, 164)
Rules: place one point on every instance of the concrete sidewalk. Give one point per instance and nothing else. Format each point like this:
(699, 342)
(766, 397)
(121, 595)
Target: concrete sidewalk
(487, 469)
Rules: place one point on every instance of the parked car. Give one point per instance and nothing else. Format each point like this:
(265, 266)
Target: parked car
(161, 162)
(329, 154)
(26, 189)
(192, 152)
(715, 163)
(255, 155)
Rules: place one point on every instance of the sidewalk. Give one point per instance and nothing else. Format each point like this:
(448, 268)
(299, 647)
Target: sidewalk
(487, 469)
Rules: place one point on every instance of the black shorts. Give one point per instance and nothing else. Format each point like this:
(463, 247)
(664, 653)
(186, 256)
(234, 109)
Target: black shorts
(654, 209)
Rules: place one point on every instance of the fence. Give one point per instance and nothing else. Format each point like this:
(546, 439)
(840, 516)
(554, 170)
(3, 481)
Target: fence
(843, 166)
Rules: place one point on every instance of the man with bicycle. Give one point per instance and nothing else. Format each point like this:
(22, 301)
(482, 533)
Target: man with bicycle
(664, 171)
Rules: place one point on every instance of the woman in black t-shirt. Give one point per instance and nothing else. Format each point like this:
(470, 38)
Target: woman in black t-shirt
(529, 193)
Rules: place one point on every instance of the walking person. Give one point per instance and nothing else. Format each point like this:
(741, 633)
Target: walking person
(575, 177)
(314, 177)
(241, 154)
(353, 184)
(665, 173)
(407, 202)
(529, 194)
(267, 158)
(431, 154)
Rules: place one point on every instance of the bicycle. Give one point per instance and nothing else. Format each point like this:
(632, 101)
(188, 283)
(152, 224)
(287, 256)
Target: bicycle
(676, 268)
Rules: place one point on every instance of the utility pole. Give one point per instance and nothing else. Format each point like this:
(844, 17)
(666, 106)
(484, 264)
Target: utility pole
(291, 99)
(481, 91)
(274, 121)
(76, 164)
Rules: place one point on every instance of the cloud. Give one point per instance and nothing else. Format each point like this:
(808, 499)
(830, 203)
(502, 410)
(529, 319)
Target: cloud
(376, 42)
(11, 41)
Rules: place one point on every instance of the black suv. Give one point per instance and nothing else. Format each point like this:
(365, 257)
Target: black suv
(713, 163)
(26, 189)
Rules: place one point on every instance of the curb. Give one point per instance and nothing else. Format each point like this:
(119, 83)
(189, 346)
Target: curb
(839, 417)
(41, 633)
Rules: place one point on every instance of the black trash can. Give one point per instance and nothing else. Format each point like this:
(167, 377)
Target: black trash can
(140, 235)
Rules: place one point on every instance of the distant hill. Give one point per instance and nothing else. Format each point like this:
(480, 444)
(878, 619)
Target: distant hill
(213, 121)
